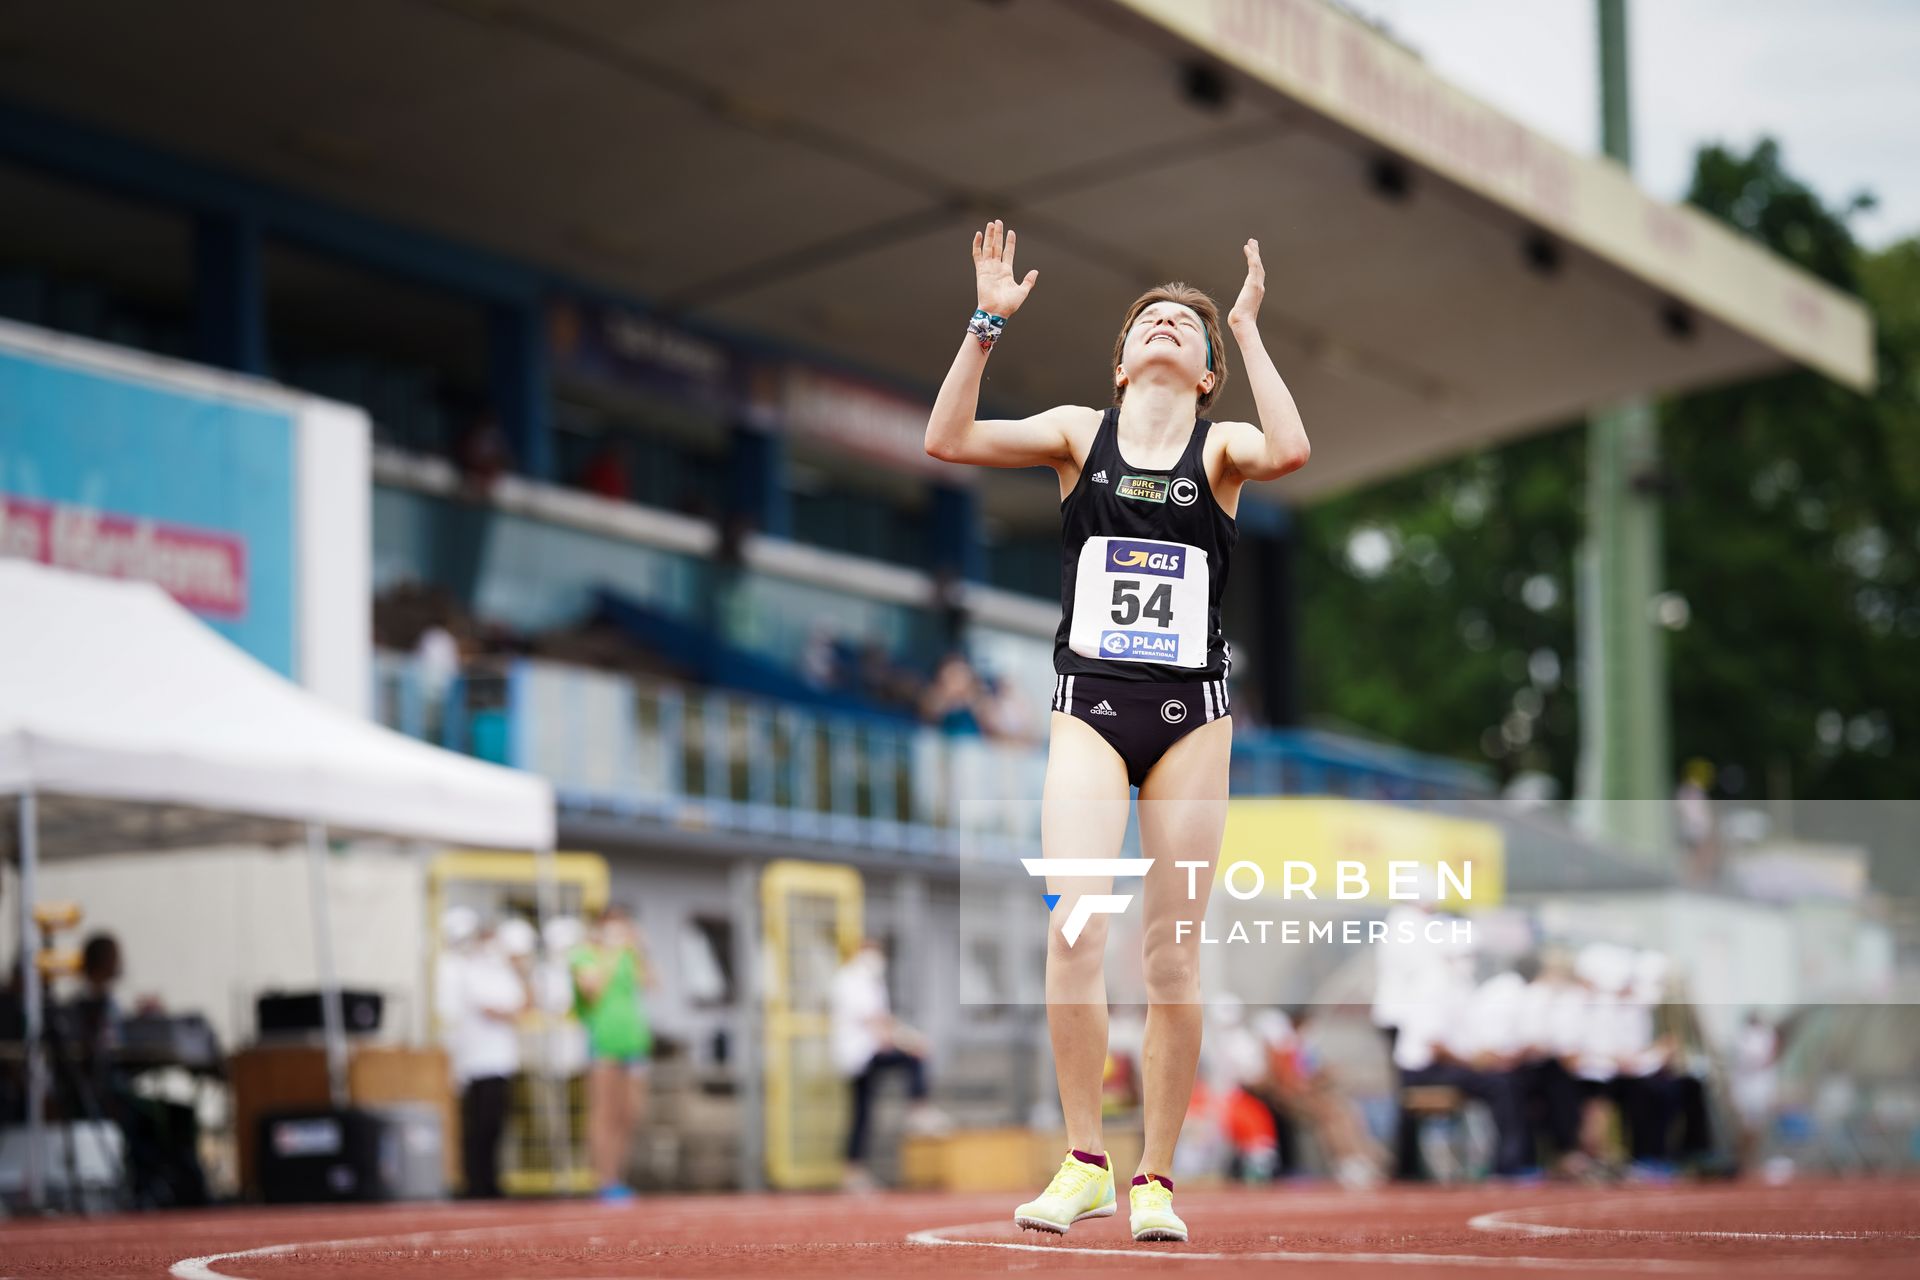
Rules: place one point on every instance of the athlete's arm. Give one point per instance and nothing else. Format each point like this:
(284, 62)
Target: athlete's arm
(952, 433)
(1279, 444)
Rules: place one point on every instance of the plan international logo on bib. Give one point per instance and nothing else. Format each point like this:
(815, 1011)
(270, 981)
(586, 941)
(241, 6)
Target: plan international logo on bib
(1163, 559)
(1141, 646)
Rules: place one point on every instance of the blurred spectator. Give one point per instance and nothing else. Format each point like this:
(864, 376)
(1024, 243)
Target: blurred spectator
(868, 1041)
(1755, 1081)
(1238, 1065)
(437, 660)
(1537, 1028)
(1648, 1065)
(956, 702)
(1301, 1086)
(820, 660)
(1436, 1046)
(13, 1026)
(1693, 822)
(552, 986)
(1622, 1060)
(482, 453)
(1602, 970)
(1402, 963)
(481, 993)
(96, 1018)
(1553, 1010)
(97, 1015)
(610, 972)
(162, 1158)
(605, 473)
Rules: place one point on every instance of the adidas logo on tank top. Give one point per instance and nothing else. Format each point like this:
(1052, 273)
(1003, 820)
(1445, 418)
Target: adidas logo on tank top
(1100, 477)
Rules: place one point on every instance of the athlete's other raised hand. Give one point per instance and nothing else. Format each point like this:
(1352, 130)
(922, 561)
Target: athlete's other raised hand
(996, 290)
(1246, 307)
(1278, 443)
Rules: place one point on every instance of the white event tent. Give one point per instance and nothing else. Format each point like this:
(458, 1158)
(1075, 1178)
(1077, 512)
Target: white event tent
(125, 723)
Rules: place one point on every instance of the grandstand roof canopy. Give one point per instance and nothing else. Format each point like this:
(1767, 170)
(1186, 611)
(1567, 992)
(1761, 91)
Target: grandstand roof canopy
(1438, 275)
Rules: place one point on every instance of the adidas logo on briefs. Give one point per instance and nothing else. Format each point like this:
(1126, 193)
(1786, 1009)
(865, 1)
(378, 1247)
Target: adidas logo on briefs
(1102, 708)
(1100, 477)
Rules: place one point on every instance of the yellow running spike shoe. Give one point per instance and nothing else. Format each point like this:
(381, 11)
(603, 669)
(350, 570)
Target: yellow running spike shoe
(1153, 1215)
(1079, 1190)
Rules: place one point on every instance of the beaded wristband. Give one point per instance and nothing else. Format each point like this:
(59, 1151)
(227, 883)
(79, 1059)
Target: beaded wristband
(986, 328)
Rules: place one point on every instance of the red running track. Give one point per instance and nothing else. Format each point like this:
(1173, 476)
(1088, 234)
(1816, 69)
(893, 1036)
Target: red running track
(1806, 1229)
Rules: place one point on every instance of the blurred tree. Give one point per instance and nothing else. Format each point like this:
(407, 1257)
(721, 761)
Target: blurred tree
(1794, 534)
(1440, 605)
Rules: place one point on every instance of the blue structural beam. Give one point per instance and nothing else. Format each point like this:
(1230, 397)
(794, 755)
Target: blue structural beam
(229, 293)
(958, 545)
(758, 494)
(1267, 538)
(519, 383)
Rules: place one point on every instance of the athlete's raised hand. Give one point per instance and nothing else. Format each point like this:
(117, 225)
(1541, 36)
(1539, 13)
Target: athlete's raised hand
(1277, 443)
(996, 290)
(1246, 307)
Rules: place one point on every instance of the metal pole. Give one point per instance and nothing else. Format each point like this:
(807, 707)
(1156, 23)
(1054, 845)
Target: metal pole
(550, 1086)
(1625, 776)
(330, 1010)
(913, 930)
(1616, 107)
(749, 1016)
(32, 1008)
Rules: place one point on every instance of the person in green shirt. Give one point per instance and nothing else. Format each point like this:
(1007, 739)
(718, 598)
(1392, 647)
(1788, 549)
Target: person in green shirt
(610, 975)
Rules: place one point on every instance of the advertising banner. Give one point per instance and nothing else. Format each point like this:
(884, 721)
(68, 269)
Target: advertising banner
(128, 478)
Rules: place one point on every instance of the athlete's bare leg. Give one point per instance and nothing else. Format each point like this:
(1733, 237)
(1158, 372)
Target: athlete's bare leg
(638, 1091)
(1083, 815)
(604, 1120)
(1183, 813)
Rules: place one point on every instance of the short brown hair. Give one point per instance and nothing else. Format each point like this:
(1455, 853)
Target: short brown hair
(1187, 296)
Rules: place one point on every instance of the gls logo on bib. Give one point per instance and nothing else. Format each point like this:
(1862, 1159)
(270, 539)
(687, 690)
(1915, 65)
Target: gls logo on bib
(1143, 557)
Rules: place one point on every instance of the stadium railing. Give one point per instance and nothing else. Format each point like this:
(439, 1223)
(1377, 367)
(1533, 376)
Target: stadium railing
(716, 759)
(708, 758)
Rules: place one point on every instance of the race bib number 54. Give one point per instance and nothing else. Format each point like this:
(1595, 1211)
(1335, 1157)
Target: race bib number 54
(1140, 601)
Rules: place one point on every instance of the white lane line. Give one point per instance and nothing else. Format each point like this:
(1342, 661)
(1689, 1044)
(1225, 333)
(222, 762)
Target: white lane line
(937, 1236)
(609, 1219)
(202, 1268)
(1511, 1222)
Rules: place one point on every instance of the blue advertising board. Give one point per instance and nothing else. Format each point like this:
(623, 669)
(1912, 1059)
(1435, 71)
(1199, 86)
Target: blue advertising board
(125, 477)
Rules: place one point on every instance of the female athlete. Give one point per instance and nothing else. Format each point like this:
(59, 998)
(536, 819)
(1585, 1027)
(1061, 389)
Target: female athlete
(1148, 492)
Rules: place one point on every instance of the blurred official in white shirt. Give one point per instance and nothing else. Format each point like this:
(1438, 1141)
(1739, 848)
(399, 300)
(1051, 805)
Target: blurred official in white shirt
(481, 993)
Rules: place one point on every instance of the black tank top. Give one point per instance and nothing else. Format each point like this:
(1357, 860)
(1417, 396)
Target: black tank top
(1143, 562)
